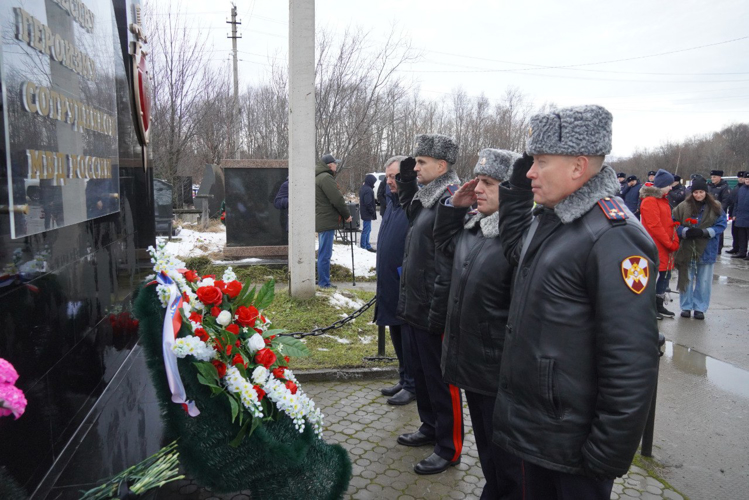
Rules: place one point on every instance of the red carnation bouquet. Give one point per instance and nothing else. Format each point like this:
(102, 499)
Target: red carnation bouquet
(219, 323)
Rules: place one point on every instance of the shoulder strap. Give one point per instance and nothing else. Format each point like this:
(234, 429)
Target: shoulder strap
(613, 211)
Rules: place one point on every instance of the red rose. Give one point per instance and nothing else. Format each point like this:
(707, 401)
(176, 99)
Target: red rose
(260, 392)
(190, 275)
(212, 276)
(195, 317)
(278, 373)
(237, 360)
(263, 319)
(220, 367)
(220, 285)
(238, 343)
(215, 311)
(258, 330)
(210, 295)
(201, 334)
(246, 316)
(228, 350)
(286, 358)
(291, 386)
(267, 341)
(217, 345)
(233, 329)
(265, 357)
(185, 297)
(233, 288)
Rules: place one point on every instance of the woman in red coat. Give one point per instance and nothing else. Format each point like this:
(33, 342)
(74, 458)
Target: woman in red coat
(655, 215)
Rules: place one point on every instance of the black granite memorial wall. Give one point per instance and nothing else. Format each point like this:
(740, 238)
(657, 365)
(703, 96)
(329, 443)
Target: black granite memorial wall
(252, 220)
(66, 290)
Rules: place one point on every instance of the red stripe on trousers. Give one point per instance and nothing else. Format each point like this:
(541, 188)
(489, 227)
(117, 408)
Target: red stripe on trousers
(457, 421)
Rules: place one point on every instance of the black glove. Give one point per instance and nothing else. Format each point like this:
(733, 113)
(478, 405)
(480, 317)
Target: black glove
(407, 173)
(521, 166)
(692, 233)
(706, 234)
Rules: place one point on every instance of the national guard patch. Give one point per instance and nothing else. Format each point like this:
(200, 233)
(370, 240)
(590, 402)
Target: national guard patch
(636, 273)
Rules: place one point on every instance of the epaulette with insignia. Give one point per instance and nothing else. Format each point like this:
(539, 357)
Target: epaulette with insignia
(452, 189)
(613, 210)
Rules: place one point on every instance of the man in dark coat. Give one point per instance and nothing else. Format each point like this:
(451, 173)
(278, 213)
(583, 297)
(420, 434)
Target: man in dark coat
(367, 210)
(382, 197)
(330, 212)
(391, 241)
(721, 191)
(423, 300)
(632, 195)
(577, 376)
(678, 192)
(740, 218)
(622, 178)
(740, 180)
(651, 175)
(477, 309)
(281, 202)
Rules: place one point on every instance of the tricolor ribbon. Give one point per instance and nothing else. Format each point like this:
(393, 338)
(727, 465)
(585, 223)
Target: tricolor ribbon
(172, 324)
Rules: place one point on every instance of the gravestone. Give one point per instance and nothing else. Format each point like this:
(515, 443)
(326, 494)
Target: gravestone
(212, 184)
(183, 190)
(162, 194)
(254, 226)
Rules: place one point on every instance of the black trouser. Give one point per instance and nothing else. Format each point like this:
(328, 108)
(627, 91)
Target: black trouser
(742, 235)
(545, 484)
(440, 405)
(720, 243)
(401, 337)
(501, 469)
(734, 246)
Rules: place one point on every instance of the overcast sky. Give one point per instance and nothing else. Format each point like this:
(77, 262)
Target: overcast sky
(667, 70)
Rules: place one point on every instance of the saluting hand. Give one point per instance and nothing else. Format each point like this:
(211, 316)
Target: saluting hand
(465, 196)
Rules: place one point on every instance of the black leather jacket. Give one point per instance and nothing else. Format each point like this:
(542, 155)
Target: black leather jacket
(478, 304)
(577, 375)
(423, 291)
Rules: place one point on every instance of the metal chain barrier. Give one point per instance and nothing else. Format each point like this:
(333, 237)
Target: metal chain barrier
(338, 324)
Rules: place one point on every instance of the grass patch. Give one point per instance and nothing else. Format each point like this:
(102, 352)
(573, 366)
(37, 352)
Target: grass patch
(654, 470)
(256, 275)
(344, 347)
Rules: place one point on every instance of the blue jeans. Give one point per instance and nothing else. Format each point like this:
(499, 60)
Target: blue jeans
(661, 285)
(365, 232)
(697, 295)
(324, 252)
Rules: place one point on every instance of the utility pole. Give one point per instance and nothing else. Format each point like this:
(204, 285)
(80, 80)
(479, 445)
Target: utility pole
(234, 37)
(302, 148)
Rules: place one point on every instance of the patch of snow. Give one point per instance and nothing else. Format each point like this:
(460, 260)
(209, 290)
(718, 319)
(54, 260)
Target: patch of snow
(322, 349)
(367, 339)
(337, 339)
(192, 243)
(340, 301)
(364, 260)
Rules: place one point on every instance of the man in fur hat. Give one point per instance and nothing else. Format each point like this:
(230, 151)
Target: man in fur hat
(423, 300)
(577, 376)
(721, 191)
(477, 309)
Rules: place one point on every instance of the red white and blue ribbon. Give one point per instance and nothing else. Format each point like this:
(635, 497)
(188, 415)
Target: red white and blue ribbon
(172, 324)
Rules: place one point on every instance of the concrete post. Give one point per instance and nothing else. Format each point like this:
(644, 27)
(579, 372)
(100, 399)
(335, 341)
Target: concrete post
(302, 148)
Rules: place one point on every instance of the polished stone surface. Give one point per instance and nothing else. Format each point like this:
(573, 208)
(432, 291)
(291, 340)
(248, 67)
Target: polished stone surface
(211, 186)
(251, 218)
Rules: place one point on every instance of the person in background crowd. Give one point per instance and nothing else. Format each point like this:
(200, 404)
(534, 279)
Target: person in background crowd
(330, 211)
(577, 375)
(740, 217)
(631, 196)
(731, 212)
(477, 309)
(721, 192)
(702, 221)
(651, 175)
(622, 178)
(423, 300)
(367, 210)
(678, 192)
(391, 241)
(655, 215)
(382, 197)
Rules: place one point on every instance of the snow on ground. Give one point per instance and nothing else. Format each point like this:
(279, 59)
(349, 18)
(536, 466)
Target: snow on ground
(337, 339)
(191, 243)
(339, 300)
(364, 260)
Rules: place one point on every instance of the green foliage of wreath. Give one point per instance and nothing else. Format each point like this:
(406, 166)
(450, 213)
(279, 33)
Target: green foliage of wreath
(276, 461)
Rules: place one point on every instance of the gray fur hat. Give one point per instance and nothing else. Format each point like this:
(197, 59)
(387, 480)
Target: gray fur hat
(579, 130)
(495, 163)
(440, 147)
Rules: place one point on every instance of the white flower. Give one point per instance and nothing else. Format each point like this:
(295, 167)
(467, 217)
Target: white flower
(260, 375)
(223, 318)
(193, 346)
(206, 282)
(186, 307)
(255, 343)
(228, 275)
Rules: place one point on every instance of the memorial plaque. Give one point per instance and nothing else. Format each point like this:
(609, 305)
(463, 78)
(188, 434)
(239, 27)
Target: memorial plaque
(211, 186)
(251, 218)
(60, 107)
(162, 195)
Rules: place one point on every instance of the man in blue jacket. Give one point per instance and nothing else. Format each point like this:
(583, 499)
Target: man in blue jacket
(367, 210)
(391, 241)
(632, 195)
(740, 218)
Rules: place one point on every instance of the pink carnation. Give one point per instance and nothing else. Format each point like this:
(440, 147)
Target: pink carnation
(12, 401)
(8, 374)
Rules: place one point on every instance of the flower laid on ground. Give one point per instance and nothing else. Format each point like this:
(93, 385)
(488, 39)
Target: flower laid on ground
(236, 353)
(12, 400)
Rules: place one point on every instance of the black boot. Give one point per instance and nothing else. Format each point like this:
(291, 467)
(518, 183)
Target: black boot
(662, 311)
